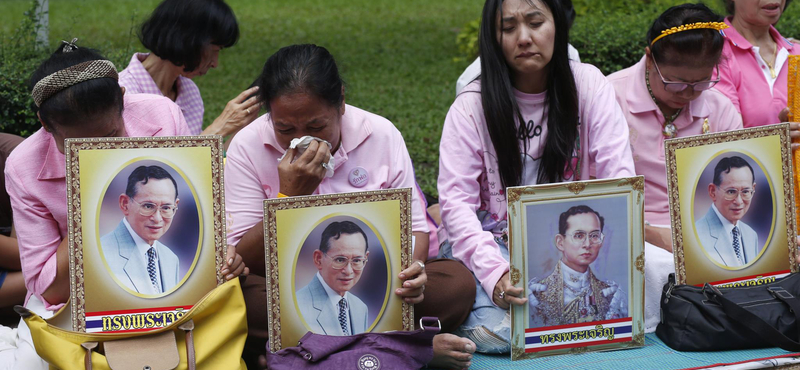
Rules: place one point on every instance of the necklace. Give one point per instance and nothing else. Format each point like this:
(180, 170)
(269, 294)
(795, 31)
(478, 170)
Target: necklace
(669, 130)
(771, 68)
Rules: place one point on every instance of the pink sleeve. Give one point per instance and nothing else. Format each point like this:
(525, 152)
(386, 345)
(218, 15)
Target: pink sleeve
(404, 178)
(728, 76)
(609, 139)
(460, 167)
(181, 128)
(38, 237)
(244, 193)
(729, 117)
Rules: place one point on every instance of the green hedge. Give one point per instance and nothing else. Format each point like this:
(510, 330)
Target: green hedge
(611, 34)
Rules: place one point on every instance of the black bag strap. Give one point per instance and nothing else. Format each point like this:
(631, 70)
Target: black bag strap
(756, 324)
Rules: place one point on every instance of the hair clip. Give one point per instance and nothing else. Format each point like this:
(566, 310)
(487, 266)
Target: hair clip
(718, 26)
(70, 46)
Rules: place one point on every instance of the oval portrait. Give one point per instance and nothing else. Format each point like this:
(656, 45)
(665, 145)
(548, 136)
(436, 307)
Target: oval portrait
(734, 210)
(149, 228)
(341, 277)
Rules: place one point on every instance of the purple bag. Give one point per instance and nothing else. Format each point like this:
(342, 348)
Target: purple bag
(400, 350)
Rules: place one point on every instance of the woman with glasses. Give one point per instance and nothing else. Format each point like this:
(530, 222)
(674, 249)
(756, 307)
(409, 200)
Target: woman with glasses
(669, 94)
(754, 65)
(532, 117)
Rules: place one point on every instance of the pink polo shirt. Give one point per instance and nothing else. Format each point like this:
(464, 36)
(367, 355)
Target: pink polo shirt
(36, 183)
(136, 80)
(743, 81)
(645, 122)
(469, 179)
(371, 145)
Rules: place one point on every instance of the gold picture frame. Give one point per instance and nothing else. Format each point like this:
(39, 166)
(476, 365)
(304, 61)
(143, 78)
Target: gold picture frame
(767, 219)
(293, 228)
(107, 292)
(545, 326)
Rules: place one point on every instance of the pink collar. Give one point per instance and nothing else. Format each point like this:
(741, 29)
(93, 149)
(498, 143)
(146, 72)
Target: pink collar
(739, 41)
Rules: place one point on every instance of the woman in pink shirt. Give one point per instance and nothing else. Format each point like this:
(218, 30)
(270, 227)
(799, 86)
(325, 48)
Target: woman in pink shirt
(184, 38)
(668, 94)
(77, 96)
(304, 95)
(754, 65)
(533, 117)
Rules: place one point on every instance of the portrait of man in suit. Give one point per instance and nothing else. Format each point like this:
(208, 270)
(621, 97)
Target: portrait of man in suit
(326, 303)
(725, 237)
(132, 251)
(572, 293)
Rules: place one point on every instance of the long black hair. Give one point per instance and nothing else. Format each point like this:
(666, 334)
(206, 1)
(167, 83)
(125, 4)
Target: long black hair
(81, 103)
(693, 47)
(502, 114)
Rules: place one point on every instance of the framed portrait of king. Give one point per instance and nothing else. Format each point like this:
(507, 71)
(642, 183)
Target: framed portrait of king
(732, 206)
(332, 263)
(146, 230)
(577, 250)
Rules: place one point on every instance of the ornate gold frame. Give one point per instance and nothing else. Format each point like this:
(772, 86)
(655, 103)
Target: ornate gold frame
(785, 193)
(72, 147)
(272, 206)
(633, 187)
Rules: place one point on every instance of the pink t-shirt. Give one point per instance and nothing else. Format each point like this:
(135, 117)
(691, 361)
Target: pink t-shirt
(743, 81)
(36, 183)
(469, 179)
(137, 80)
(645, 122)
(372, 156)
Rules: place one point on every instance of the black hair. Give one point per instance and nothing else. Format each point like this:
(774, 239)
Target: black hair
(726, 164)
(179, 30)
(502, 114)
(576, 210)
(336, 229)
(301, 68)
(731, 8)
(569, 10)
(143, 174)
(696, 47)
(81, 103)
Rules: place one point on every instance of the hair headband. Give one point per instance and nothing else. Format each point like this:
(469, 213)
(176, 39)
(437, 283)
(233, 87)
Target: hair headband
(60, 80)
(718, 26)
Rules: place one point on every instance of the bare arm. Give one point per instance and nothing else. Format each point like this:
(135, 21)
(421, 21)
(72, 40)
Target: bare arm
(422, 241)
(251, 248)
(58, 291)
(9, 252)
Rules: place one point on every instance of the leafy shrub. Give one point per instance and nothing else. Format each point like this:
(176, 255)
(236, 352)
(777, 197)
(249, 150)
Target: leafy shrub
(19, 57)
(611, 34)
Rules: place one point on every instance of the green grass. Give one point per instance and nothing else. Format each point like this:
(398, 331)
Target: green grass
(396, 57)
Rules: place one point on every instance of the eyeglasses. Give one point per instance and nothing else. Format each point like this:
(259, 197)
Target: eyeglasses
(733, 193)
(676, 87)
(578, 237)
(340, 262)
(148, 209)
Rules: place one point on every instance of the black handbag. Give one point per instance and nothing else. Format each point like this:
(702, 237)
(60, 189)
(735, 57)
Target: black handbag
(713, 319)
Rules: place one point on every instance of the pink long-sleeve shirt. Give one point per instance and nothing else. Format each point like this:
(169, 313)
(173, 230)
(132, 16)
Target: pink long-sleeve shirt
(36, 183)
(469, 179)
(645, 122)
(742, 79)
(372, 156)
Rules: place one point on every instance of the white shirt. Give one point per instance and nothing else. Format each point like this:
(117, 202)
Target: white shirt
(780, 60)
(728, 226)
(143, 247)
(335, 298)
(568, 275)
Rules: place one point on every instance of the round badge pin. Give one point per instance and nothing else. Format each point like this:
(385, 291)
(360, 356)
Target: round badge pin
(369, 362)
(359, 177)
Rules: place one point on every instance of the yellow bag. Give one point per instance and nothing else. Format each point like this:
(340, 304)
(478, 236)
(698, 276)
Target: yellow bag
(215, 330)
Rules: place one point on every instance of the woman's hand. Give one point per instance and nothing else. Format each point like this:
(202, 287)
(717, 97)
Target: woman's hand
(794, 128)
(234, 266)
(237, 114)
(506, 294)
(302, 175)
(414, 279)
(659, 236)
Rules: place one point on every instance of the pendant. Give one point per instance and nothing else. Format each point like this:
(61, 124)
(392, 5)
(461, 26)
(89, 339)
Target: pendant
(669, 131)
